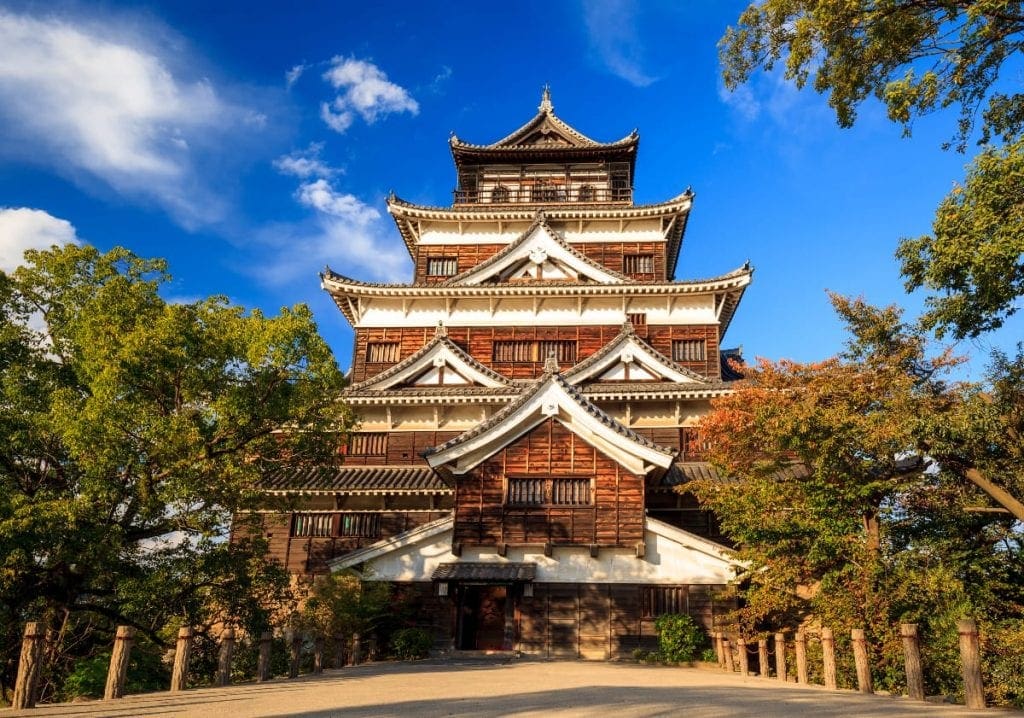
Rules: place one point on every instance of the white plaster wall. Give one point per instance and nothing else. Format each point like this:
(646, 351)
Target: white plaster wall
(666, 562)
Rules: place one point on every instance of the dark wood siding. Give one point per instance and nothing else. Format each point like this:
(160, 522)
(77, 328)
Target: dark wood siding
(615, 518)
(479, 342)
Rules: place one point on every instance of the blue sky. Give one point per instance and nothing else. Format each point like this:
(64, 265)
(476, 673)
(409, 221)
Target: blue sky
(251, 143)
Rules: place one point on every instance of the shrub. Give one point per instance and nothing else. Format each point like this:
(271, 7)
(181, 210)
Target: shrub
(708, 655)
(411, 643)
(679, 637)
(146, 672)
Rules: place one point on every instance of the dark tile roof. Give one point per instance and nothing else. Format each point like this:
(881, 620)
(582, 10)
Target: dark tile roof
(358, 480)
(496, 572)
(728, 372)
(683, 472)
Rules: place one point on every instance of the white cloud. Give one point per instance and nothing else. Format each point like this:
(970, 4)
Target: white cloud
(741, 100)
(87, 102)
(23, 228)
(322, 197)
(305, 163)
(611, 29)
(363, 89)
(293, 75)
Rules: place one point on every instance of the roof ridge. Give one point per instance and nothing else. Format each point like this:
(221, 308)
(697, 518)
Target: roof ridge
(627, 333)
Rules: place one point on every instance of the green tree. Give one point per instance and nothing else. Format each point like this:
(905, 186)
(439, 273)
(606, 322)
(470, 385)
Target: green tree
(919, 57)
(342, 605)
(133, 429)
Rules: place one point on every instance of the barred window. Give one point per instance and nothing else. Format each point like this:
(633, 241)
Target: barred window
(688, 350)
(549, 491)
(312, 525)
(637, 320)
(570, 492)
(362, 525)
(382, 352)
(442, 266)
(659, 600)
(526, 492)
(370, 444)
(638, 263)
(563, 350)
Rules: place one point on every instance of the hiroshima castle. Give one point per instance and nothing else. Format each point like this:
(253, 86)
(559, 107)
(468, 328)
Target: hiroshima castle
(528, 407)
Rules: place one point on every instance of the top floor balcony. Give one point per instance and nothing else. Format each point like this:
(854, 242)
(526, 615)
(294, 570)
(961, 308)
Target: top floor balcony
(544, 194)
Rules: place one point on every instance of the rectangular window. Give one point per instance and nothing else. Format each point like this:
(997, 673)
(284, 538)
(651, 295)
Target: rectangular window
(637, 320)
(638, 264)
(563, 350)
(688, 350)
(549, 491)
(371, 444)
(382, 352)
(442, 266)
(317, 525)
(526, 492)
(659, 600)
(362, 525)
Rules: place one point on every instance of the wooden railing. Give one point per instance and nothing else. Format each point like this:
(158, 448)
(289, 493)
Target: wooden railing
(544, 195)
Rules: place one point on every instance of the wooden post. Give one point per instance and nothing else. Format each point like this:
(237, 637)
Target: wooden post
(762, 657)
(912, 660)
(780, 656)
(318, 655)
(371, 654)
(294, 641)
(340, 646)
(181, 655)
(118, 670)
(741, 650)
(860, 658)
(727, 647)
(718, 649)
(224, 658)
(800, 642)
(970, 663)
(828, 658)
(28, 666)
(263, 665)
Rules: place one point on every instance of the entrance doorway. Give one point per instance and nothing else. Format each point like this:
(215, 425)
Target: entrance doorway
(482, 618)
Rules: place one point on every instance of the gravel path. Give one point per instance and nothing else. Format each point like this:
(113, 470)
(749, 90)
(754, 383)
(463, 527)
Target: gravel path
(473, 689)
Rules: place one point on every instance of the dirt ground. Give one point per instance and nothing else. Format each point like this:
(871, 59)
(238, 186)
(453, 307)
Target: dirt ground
(476, 688)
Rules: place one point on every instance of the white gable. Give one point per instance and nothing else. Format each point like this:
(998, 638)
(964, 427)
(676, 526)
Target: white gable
(538, 255)
(630, 359)
(672, 556)
(441, 364)
(551, 400)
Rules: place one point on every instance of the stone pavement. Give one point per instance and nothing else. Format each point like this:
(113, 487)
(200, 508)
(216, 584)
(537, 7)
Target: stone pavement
(478, 688)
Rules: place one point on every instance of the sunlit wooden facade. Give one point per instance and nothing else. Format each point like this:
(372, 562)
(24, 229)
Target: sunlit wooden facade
(528, 407)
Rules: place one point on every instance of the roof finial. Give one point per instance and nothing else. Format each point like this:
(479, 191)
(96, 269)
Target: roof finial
(545, 100)
(440, 330)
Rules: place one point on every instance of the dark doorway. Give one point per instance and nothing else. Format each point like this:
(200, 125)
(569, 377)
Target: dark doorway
(482, 620)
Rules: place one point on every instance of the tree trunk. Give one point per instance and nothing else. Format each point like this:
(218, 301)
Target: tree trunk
(1000, 495)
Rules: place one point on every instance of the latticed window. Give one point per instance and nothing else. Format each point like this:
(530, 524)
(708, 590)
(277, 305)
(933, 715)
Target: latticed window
(638, 263)
(527, 350)
(312, 525)
(369, 444)
(659, 600)
(549, 491)
(382, 352)
(570, 492)
(442, 266)
(526, 492)
(688, 350)
(638, 319)
(500, 194)
(362, 525)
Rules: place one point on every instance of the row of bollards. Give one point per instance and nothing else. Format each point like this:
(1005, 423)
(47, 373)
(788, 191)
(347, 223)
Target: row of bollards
(970, 659)
(30, 663)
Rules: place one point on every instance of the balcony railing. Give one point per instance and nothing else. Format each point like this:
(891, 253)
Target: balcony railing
(544, 195)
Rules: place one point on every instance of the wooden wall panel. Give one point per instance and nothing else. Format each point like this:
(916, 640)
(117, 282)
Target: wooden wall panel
(615, 518)
(478, 341)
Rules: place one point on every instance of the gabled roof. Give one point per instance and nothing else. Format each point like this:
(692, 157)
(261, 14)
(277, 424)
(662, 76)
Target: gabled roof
(628, 348)
(545, 130)
(727, 356)
(551, 396)
(423, 369)
(539, 246)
